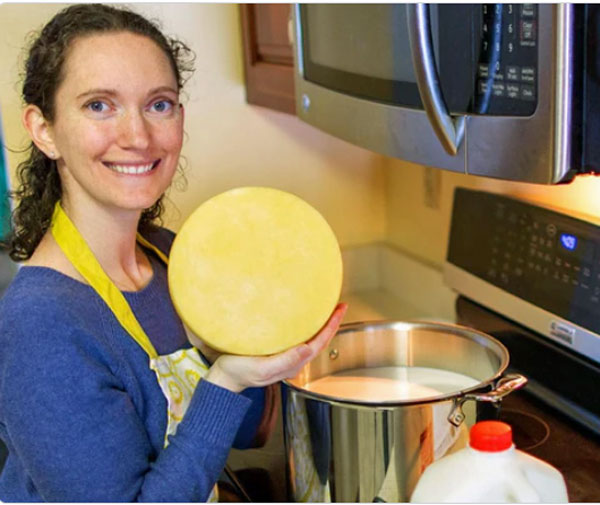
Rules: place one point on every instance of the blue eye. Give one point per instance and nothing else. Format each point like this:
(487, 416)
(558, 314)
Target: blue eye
(162, 106)
(97, 106)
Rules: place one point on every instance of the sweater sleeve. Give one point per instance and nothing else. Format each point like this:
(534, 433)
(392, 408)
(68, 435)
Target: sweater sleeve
(78, 435)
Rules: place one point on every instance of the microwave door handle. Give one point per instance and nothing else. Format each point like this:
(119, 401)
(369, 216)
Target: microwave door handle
(449, 130)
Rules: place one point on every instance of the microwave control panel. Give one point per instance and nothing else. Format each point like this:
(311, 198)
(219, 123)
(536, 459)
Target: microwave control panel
(506, 80)
(542, 256)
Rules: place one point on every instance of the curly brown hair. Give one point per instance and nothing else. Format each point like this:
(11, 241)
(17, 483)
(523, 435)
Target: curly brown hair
(39, 184)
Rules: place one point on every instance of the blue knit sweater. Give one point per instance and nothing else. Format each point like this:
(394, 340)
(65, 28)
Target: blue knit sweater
(81, 413)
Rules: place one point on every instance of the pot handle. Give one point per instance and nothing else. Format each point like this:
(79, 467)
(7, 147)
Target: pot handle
(506, 385)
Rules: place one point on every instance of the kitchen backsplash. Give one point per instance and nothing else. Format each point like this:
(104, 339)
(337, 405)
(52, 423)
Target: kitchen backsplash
(386, 283)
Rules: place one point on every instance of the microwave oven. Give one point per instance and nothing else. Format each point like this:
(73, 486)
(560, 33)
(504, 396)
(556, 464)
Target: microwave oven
(510, 91)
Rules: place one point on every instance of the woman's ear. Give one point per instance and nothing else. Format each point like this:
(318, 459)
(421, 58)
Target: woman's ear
(39, 130)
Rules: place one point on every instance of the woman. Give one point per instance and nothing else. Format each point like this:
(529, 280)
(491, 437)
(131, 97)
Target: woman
(98, 394)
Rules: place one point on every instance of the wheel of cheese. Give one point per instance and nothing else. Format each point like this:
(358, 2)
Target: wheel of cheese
(255, 271)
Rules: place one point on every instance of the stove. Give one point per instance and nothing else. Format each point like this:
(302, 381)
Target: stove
(530, 277)
(540, 426)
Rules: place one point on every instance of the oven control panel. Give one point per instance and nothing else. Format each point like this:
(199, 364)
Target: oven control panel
(543, 264)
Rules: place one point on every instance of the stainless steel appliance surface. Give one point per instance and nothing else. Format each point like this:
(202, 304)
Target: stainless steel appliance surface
(530, 277)
(510, 91)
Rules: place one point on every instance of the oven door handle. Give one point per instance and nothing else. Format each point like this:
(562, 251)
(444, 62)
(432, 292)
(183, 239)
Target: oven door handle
(449, 131)
(506, 385)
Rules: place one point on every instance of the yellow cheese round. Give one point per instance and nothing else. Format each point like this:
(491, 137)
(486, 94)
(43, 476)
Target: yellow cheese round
(255, 271)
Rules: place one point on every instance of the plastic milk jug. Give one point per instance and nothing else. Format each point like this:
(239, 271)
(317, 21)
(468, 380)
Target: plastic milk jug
(490, 470)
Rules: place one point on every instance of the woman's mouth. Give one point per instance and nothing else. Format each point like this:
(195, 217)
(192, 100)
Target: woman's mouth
(132, 168)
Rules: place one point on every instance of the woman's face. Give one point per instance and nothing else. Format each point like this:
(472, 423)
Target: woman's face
(118, 125)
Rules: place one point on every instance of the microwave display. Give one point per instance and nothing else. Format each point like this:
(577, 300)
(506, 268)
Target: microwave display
(485, 55)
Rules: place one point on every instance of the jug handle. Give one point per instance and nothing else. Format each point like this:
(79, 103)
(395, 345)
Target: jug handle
(504, 386)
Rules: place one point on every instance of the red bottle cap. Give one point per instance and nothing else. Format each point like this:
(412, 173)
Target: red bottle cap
(490, 436)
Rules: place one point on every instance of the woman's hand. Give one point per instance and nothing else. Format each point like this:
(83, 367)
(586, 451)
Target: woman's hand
(237, 373)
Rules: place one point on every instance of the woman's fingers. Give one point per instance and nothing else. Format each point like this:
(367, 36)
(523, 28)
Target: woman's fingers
(321, 339)
(287, 363)
(239, 372)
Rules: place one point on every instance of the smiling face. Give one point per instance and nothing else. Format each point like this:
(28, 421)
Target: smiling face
(118, 126)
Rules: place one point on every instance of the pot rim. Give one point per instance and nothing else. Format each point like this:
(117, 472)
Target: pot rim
(458, 330)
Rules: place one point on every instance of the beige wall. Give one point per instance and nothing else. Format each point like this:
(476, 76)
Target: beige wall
(422, 231)
(365, 197)
(230, 143)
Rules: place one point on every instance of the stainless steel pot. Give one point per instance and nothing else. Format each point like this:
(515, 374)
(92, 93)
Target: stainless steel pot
(342, 449)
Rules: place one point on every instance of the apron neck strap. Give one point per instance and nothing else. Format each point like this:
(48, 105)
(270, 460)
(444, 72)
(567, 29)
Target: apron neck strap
(82, 258)
(142, 241)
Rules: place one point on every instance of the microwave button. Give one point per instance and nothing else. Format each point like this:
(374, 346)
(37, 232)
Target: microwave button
(528, 33)
(527, 92)
(513, 91)
(483, 87)
(527, 30)
(528, 10)
(510, 30)
(498, 88)
(483, 70)
(528, 74)
(513, 73)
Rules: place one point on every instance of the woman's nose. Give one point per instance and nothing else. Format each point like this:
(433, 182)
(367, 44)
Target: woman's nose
(134, 131)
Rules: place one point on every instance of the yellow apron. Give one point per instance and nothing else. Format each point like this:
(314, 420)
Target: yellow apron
(177, 373)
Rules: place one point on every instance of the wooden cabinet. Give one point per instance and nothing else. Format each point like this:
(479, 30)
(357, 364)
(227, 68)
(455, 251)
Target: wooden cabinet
(268, 57)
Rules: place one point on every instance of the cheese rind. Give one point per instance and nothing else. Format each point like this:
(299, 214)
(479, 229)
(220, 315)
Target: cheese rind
(255, 271)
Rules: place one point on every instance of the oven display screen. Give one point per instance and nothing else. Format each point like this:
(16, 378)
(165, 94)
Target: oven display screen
(579, 249)
(569, 242)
